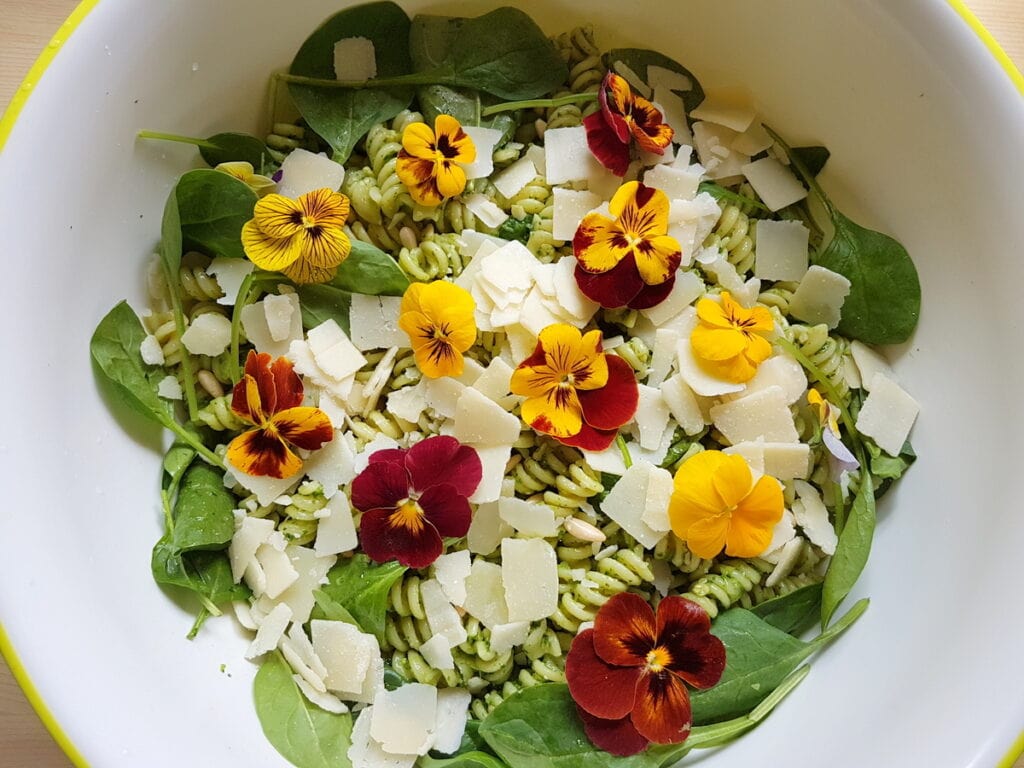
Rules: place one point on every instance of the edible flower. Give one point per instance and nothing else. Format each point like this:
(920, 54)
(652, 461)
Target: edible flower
(575, 392)
(628, 259)
(303, 238)
(439, 319)
(730, 340)
(628, 674)
(624, 116)
(839, 457)
(716, 504)
(430, 161)
(244, 172)
(269, 396)
(411, 498)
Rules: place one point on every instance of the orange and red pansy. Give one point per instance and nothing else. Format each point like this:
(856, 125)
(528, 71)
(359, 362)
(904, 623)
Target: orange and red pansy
(412, 498)
(574, 391)
(628, 675)
(629, 259)
(430, 161)
(269, 396)
(624, 116)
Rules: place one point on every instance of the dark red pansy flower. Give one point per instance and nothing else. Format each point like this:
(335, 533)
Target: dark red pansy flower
(628, 674)
(411, 498)
(624, 116)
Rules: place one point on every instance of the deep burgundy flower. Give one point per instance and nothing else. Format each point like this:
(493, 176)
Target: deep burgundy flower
(624, 117)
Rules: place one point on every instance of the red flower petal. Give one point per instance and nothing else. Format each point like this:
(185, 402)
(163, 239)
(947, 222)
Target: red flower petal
(662, 709)
(590, 439)
(447, 509)
(614, 288)
(380, 485)
(245, 400)
(389, 456)
(605, 145)
(624, 631)
(601, 689)
(619, 737)
(615, 403)
(444, 459)
(651, 295)
(287, 386)
(615, 109)
(384, 538)
(684, 630)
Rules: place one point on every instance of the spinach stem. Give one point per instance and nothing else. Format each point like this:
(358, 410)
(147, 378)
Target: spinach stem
(156, 135)
(721, 193)
(510, 106)
(624, 450)
(416, 78)
(187, 373)
(236, 325)
(193, 441)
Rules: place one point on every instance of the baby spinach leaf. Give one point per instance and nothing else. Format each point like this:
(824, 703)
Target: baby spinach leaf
(639, 59)
(465, 760)
(304, 734)
(793, 613)
(361, 586)
(331, 610)
(503, 52)
(212, 208)
(208, 574)
(464, 105)
(721, 193)
(758, 658)
(320, 303)
(852, 549)
(203, 517)
(370, 271)
(813, 158)
(237, 147)
(176, 461)
(343, 116)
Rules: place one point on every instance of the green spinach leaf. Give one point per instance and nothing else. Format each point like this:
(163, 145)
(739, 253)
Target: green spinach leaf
(203, 518)
(176, 461)
(793, 613)
(208, 574)
(361, 586)
(639, 59)
(238, 147)
(212, 208)
(813, 158)
(331, 610)
(370, 271)
(464, 105)
(465, 760)
(304, 734)
(852, 550)
(323, 302)
(343, 116)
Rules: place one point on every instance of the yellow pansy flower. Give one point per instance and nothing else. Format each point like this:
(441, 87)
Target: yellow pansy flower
(730, 340)
(439, 319)
(430, 161)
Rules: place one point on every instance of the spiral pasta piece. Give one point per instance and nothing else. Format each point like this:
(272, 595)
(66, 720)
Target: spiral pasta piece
(558, 475)
(734, 235)
(162, 327)
(730, 583)
(218, 416)
(435, 256)
(382, 147)
(828, 353)
(637, 354)
(196, 282)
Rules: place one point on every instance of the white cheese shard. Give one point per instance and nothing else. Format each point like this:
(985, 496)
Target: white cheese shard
(326, 701)
(682, 404)
(230, 274)
(379, 443)
(485, 209)
(627, 503)
(529, 572)
(298, 651)
(208, 334)
(333, 351)
(731, 106)
(452, 714)
(536, 154)
(346, 654)
(278, 310)
(691, 221)
(752, 452)
(442, 395)
(483, 422)
(633, 78)
(365, 752)
(442, 618)
(567, 155)
(774, 183)
(487, 529)
(567, 291)
(869, 362)
(511, 181)
(527, 517)
(451, 571)
(333, 465)
(438, 653)
(484, 140)
(265, 488)
(495, 383)
(753, 141)
(403, 719)
(569, 209)
(677, 183)
(169, 388)
(660, 77)
(787, 558)
(536, 313)
(373, 322)
(355, 59)
(659, 491)
(312, 572)
(764, 414)
(783, 371)
(276, 568)
(820, 296)
(493, 459)
(888, 414)
(687, 288)
(254, 323)
(783, 532)
(696, 377)
(781, 252)
(151, 351)
(812, 517)
(408, 403)
(303, 171)
(250, 533)
(662, 356)
(783, 461)
(485, 593)
(505, 637)
(724, 271)
(336, 533)
(713, 144)
(652, 416)
(271, 630)
(673, 112)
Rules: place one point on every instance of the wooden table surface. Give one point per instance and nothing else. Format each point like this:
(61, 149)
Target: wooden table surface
(25, 28)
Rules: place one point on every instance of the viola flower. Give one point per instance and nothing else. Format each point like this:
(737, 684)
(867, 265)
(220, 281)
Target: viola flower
(716, 504)
(730, 340)
(303, 238)
(430, 161)
(439, 319)
(575, 392)
(629, 259)
(269, 396)
(411, 498)
(244, 172)
(839, 457)
(628, 674)
(624, 116)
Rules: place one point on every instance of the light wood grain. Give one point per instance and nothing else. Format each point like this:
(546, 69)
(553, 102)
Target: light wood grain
(25, 28)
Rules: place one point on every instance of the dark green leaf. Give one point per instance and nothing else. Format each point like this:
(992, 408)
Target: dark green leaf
(304, 734)
(212, 208)
(170, 236)
(237, 147)
(361, 586)
(638, 59)
(852, 550)
(793, 613)
(343, 116)
(464, 105)
(370, 271)
(203, 518)
(813, 158)
(331, 610)
(464, 760)
(177, 459)
(886, 467)
(205, 573)
(516, 229)
(324, 302)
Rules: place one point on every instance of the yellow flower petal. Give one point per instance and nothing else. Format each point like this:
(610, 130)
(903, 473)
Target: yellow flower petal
(417, 175)
(439, 319)
(558, 413)
(732, 480)
(450, 178)
(759, 348)
(304, 272)
(240, 169)
(706, 537)
(324, 208)
(452, 142)
(324, 247)
(717, 344)
(272, 254)
(754, 519)
(712, 313)
(418, 141)
(599, 243)
(574, 358)
(260, 452)
(623, 197)
(278, 216)
(656, 259)
(533, 381)
(645, 213)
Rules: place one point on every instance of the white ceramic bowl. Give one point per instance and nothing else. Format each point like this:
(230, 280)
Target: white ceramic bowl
(927, 140)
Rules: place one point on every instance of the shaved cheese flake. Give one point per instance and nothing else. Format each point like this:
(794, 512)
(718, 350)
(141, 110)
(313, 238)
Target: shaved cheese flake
(730, 106)
(278, 309)
(244, 615)
(480, 421)
(254, 323)
(633, 78)
(626, 504)
(271, 631)
(354, 59)
(277, 568)
(373, 322)
(438, 653)
(451, 571)
(505, 637)
(511, 181)
(752, 452)
(662, 356)
(208, 334)
(487, 529)
(764, 414)
(660, 77)
(753, 141)
(659, 491)
(249, 535)
(230, 274)
(535, 314)
(493, 459)
(651, 417)
(333, 465)
(787, 461)
(485, 592)
(336, 533)
(725, 272)
(699, 380)
(527, 517)
(568, 156)
(408, 403)
(346, 653)
(536, 154)
(569, 209)
(442, 618)
(365, 752)
(151, 351)
(677, 183)
(711, 141)
(820, 296)
(888, 414)
(326, 701)
(495, 383)
(266, 488)
(783, 371)
(781, 250)
(567, 291)
(687, 288)
(783, 532)
(442, 395)
(303, 648)
(673, 113)
(812, 517)
(379, 443)
(788, 557)
(529, 573)
(484, 140)
(403, 719)
(648, 158)
(682, 404)
(869, 362)
(303, 171)
(312, 573)
(452, 714)
(339, 359)
(169, 388)
(774, 183)
(485, 210)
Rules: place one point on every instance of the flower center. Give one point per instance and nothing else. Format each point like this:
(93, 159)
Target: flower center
(657, 659)
(409, 515)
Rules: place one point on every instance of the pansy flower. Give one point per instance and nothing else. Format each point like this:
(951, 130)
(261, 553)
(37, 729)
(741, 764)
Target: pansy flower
(430, 161)
(716, 504)
(439, 319)
(269, 396)
(629, 259)
(574, 391)
(628, 675)
(303, 238)
(839, 457)
(624, 116)
(411, 498)
(730, 341)
(244, 172)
